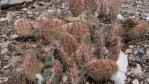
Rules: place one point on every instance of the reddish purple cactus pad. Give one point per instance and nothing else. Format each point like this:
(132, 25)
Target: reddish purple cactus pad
(56, 71)
(100, 69)
(82, 54)
(139, 31)
(50, 27)
(32, 66)
(115, 48)
(69, 43)
(23, 27)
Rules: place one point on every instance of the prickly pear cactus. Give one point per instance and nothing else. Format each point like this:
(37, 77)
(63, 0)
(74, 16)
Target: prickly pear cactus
(23, 27)
(81, 44)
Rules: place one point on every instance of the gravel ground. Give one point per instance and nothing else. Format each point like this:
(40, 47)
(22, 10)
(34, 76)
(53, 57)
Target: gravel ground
(138, 52)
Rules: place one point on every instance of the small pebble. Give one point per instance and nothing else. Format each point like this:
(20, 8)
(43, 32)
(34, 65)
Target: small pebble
(120, 17)
(128, 73)
(137, 70)
(4, 51)
(135, 81)
(5, 44)
(14, 36)
(129, 51)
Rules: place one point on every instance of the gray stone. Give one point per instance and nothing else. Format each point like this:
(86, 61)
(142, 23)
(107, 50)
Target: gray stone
(4, 51)
(14, 36)
(4, 44)
(11, 2)
(137, 70)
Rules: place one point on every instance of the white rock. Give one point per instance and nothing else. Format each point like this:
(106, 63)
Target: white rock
(3, 79)
(96, 14)
(131, 46)
(40, 78)
(119, 77)
(24, 9)
(147, 80)
(9, 2)
(3, 19)
(14, 36)
(59, 11)
(147, 18)
(120, 17)
(129, 51)
(135, 81)
(4, 44)
(128, 73)
(137, 70)
(147, 52)
(106, 51)
(8, 17)
(64, 79)
(4, 51)
(132, 17)
(50, 11)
